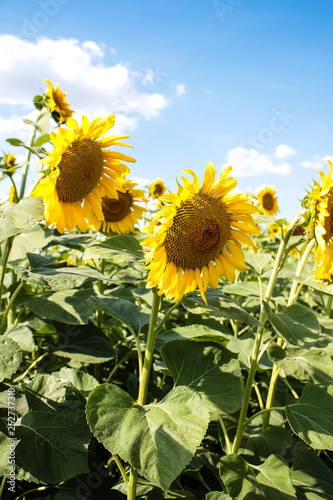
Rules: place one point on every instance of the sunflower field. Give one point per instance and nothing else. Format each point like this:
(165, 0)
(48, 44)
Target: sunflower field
(159, 345)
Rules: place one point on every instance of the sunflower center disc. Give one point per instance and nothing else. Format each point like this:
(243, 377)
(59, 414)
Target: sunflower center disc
(81, 168)
(116, 210)
(267, 201)
(200, 229)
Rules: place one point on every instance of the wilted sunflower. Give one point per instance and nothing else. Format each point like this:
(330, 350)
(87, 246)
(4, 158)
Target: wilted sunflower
(57, 102)
(268, 203)
(322, 224)
(157, 188)
(197, 236)
(122, 213)
(82, 173)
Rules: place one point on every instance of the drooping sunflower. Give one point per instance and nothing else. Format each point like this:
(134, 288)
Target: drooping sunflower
(157, 189)
(82, 172)
(321, 224)
(122, 213)
(57, 102)
(267, 201)
(196, 237)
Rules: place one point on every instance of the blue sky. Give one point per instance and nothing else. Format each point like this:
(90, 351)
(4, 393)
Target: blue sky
(240, 82)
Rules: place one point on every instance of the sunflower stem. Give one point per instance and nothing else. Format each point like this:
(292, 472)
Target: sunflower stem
(26, 168)
(328, 307)
(257, 343)
(144, 378)
(294, 291)
(9, 307)
(5, 257)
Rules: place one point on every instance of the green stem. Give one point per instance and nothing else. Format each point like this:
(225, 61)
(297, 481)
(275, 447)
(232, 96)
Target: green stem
(36, 182)
(121, 468)
(26, 168)
(294, 291)
(166, 316)
(8, 247)
(9, 307)
(225, 434)
(33, 364)
(257, 343)
(328, 307)
(262, 412)
(2, 487)
(144, 378)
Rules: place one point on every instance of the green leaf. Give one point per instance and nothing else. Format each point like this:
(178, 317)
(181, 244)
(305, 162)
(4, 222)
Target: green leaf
(15, 142)
(123, 310)
(274, 440)
(258, 261)
(217, 495)
(128, 246)
(22, 336)
(21, 217)
(5, 449)
(54, 434)
(41, 140)
(10, 357)
(75, 241)
(263, 219)
(211, 370)
(85, 344)
(323, 287)
(56, 276)
(311, 417)
(244, 289)
(81, 380)
(29, 241)
(200, 333)
(296, 324)
(273, 481)
(312, 477)
(67, 306)
(158, 440)
(314, 365)
(219, 306)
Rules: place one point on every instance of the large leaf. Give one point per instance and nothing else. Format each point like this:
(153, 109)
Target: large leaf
(81, 380)
(209, 369)
(6, 446)
(244, 289)
(87, 344)
(272, 441)
(10, 357)
(21, 217)
(29, 241)
(158, 440)
(311, 417)
(296, 324)
(128, 246)
(66, 306)
(22, 336)
(258, 261)
(200, 333)
(314, 365)
(219, 306)
(123, 310)
(312, 477)
(273, 481)
(53, 434)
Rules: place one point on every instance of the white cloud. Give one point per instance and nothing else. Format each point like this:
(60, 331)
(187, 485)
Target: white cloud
(181, 89)
(284, 151)
(318, 162)
(80, 70)
(250, 162)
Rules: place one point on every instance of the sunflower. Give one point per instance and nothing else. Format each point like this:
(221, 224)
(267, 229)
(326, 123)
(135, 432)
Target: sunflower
(57, 102)
(122, 213)
(157, 188)
(268, 204)
(81, 173)
(196, 237)
(321, 225)
(12, 195)
(10, 161)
